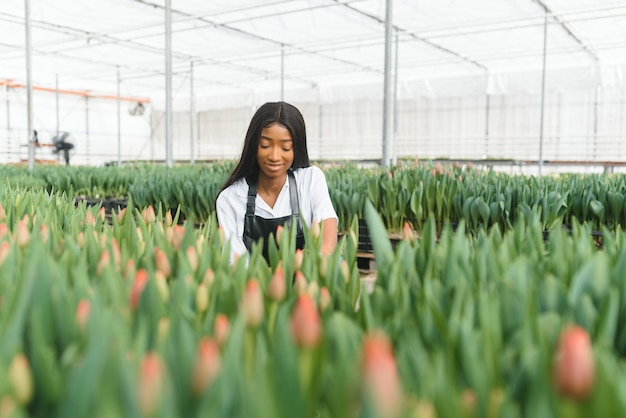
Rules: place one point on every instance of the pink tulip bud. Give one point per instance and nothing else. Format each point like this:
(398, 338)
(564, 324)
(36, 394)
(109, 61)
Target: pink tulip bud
(574, 367)
(252, 304)
(82, 313)
(4, 251)
(221, 329)
(192, 257)
(7, 407)
(209, 277)
(105, 260)
(277, 288)
(80, 240)
(141, 279)
(168, 218)
(202, 298)
(380, 375)
(207, 365)
(4, 231)
(150, 384)
(22, 234)
(117, 254)
(279, 233)
(162, 263)
(299, 283)
(43, 233)
(407, 232)
(120, 215)
(306, 326)
(90, 219)
(325, 299)
(102, 214)
(148, 215)
(21, 379)
(178, 235)
(297, 259)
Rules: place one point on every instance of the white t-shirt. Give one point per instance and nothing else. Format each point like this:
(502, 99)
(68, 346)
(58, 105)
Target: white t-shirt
(314, 199)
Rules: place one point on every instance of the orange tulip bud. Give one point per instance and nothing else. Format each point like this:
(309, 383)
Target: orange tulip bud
(141, 279)
(21, 379)
(120, 215)
(82, 313)
(279, 233)
(4, 231)
(150, 384)
(252, 303)
(22, 234)
(300, 283)
(207, 365)
(43, 233)
(130, 269)
(574, 367)
(90, 219)
(277, 288)
(80, 240)
(325, 299)
(148, 215)
(380, 375)
(168, 218)
(297, 259)
(162, 263)
(407, 232)
(4, 251)
(221, 329)
(178, 235)
(105, 260)
(209, 277)
(306, 326)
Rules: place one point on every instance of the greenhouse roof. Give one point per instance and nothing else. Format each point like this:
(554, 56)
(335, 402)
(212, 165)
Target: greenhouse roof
(242, 46)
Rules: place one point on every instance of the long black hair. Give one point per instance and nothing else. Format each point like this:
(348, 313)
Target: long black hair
(270, 113)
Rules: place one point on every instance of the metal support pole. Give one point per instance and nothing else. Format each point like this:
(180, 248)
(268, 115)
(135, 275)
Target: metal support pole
(29, 90)
(387, 84)
(168, 83)
(119, 119)
(543, 89)
(192, 115)
(282, 72)
(487, 109)
(56, 84)
(595, 111)
(394, 156)
(87, 128)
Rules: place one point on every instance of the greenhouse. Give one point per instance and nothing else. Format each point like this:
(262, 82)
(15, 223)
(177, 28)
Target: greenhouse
(519, 80)
(312, 208)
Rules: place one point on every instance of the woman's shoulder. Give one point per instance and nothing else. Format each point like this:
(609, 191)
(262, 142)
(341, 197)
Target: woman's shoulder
(308, 174)
(238, 188)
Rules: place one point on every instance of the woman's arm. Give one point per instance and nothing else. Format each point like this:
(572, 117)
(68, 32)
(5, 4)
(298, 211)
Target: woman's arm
(329, 235)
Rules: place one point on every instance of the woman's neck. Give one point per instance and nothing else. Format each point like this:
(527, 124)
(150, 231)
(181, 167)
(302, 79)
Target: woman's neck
(269, 188)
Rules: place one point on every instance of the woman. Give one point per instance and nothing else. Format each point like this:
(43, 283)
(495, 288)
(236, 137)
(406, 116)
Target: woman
(274, 184)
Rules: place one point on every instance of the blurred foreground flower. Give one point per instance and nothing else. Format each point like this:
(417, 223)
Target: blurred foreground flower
(150, 384)
(207, 365)
(306, 326)
(380, 375)
(252, 304)
(21, 379)
(574, 367)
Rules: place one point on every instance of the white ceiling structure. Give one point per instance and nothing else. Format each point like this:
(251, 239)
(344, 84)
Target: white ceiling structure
(242, 46)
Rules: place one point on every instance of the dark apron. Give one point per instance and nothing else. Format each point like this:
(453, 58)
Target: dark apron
(257, 227)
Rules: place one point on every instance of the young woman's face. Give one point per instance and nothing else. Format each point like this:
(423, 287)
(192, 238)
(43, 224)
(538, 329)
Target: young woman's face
(275, 152)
